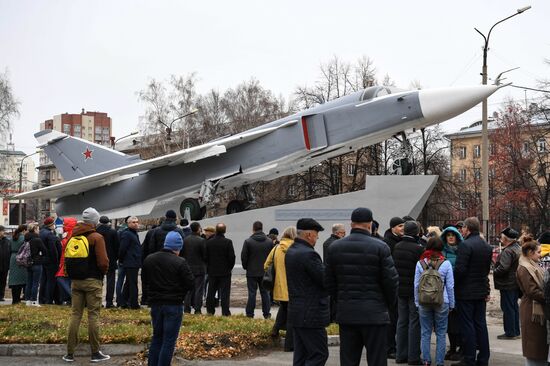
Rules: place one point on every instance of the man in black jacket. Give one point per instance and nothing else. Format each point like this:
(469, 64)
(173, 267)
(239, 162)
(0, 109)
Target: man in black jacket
(361, 274)
(194, 252)
(338, 232)
(130, 256)
(5, 253)
(471, 273)
(53, 246)
(112, 245)
(405, 255)
(156, 240)
(220, 260)
(308, 310)
(169, 280)
(253, 255)
(504, 275)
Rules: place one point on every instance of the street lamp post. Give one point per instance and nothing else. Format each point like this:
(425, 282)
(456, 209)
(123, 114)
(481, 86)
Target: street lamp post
(20, 209)
(484, 132)
(169, 128)
(123, 137)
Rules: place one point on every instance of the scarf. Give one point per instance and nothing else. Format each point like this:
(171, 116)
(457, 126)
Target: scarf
(536, 272)
(432, 255)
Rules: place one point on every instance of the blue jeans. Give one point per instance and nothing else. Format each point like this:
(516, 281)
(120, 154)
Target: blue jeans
(474, 331)
(408, 330)
(33, 279)
(253, 283)
(166, 327)
(430, 318)
(65, 285)
(121, 274)
(510, 312)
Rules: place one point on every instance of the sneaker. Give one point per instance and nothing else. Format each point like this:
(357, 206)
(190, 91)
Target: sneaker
(28, 302)
(35, 303)
(99, 356)
(69, 357)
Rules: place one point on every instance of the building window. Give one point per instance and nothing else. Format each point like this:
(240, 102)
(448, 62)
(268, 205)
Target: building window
(462, 152)
(462, 203)
(67, 128)
(477, 173)
(477, 151)
(98, 130)
(351, 169)
(292, 190)
(462, 175)
(526, 147)
(541, 145)
(77, 130)
(492, 149)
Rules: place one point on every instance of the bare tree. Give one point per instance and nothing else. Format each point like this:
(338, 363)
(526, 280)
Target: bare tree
(9, 107)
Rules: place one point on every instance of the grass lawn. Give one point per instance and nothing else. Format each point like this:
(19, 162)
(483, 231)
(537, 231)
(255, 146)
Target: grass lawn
(201, 336)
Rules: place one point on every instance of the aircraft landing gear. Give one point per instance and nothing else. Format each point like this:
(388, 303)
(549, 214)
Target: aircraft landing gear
(402, 165)
(193, 206)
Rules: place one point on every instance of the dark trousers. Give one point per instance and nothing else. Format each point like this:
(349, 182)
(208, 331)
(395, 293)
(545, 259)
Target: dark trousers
(166, 321)
(193, 299)
(510, 312)
(474, 331)
(408, 330)
(130, 290)
(121, 275)
(47, 285)
(310, 347)
(223, 285)
(354, 337)
(252, 284)
(34, 273)
(281, 322)
(144, 288)
(3, 279)
(392, 329)
(110, 286)
(16, 291)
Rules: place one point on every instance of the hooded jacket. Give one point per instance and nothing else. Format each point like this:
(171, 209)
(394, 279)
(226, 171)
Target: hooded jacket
(53, 247)
(98, 260)
(278, 253)
(254, 253)
(68, 226)
(450, 251)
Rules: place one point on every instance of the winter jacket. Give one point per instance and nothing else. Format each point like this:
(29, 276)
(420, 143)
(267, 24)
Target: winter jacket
(506, 266)
(391, 239)
(254, 253)
(332, 238)
(362, 277)
(129, 252)
(68, 226)
(169, 278)
(471, 271)
(278, 254)
(194, 252)
(308, 305)
(112, 244)
(53, 247)
(38, 250)
(18, 275)
(450, 251)
(446, 272)
(98, 261)
(156, 242)
(5, 253)
(406, 255)
(220, 256)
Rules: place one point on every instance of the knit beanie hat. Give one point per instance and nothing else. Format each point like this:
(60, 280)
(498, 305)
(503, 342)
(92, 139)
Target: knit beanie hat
(396, 221)
(173, 241)
(90, 216)
(411, 228)
(171, 214)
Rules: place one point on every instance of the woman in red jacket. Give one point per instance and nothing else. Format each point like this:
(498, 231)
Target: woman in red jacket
(65, 282)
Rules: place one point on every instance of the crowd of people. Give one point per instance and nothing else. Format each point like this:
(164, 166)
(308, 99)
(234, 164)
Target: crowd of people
(387, 293)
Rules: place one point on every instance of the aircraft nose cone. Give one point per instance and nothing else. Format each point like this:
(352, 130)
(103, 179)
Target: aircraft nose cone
(441, 104)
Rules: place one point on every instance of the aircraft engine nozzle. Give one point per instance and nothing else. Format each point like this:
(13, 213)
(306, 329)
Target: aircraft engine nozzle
(441, 104)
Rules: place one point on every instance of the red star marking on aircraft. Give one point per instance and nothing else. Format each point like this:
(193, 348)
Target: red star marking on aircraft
(88, 153)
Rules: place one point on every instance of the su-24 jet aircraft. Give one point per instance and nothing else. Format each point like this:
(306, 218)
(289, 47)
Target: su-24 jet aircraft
(119, 185)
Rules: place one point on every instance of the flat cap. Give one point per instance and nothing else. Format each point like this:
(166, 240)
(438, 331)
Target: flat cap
(396, 221)
(361, 214)
(510, 233)
(308, 224)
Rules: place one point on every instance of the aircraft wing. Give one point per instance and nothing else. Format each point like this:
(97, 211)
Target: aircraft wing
(184, 156)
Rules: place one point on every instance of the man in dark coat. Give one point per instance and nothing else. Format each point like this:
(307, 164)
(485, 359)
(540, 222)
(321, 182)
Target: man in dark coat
(112, 245)
(471, 273)
(156, 241)
(308, 310)
(338, 232)
(194, 252)
(145, 247)
(392, 236)
(220, 260)
(130, 256)
(504, 276)
(361, 274)
(406, 254)
(5, 254)
(53, 246)
(170, 278)
(253, 256)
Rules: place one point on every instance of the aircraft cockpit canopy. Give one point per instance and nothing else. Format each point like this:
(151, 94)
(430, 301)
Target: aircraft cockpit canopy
(378, 91)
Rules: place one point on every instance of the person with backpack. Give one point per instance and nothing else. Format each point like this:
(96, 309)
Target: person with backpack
(434, 296)
(86, 263)
(18, 274)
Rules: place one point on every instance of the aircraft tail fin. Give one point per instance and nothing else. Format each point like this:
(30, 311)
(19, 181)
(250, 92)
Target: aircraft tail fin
(76, 158)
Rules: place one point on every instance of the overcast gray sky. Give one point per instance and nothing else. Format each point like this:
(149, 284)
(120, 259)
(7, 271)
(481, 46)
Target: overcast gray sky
(65, 55)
